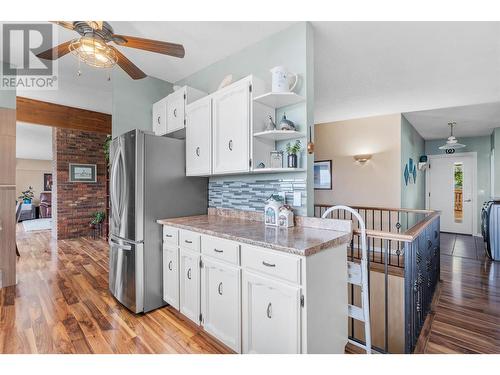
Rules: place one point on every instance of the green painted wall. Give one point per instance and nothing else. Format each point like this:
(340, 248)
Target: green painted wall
(133, 101)
(412, 146)
(7, 97)
(482, 146)
(293, 48)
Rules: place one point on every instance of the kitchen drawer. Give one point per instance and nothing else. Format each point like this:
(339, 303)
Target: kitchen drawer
(189, 240)
(269, 262)
(170, 235)
(219, 248)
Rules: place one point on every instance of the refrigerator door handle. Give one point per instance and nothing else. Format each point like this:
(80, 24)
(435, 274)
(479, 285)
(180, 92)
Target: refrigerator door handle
(113, 191)
(120, 246)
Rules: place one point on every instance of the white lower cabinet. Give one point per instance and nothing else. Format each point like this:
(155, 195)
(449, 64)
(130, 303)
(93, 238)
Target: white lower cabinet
(189, 275)
(220, 302)
(271, 316)
(171, 275)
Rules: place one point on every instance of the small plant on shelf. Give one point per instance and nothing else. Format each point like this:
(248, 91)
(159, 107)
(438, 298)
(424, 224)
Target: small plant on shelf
(27, 195)
(292, 149)
(97, 217)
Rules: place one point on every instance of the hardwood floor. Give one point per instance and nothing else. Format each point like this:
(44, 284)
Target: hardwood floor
(466, 312)
(61, 304)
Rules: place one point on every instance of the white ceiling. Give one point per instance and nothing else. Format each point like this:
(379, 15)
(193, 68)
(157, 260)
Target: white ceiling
(370, 68)
(472, 120)
(33, 141)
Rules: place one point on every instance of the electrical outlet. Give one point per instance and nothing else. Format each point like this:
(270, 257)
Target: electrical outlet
(297, 199)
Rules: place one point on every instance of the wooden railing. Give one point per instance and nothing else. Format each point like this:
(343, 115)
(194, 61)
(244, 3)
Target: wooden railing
(403, 247)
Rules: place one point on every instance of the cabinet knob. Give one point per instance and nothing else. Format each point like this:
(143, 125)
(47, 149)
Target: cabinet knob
(230, 145)
(189, 274)
(269, 310)
(170, 265)
(219, 288)
(197, 151)
(175, 112)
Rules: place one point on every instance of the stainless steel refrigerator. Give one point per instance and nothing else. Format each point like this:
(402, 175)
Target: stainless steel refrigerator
(147, 183)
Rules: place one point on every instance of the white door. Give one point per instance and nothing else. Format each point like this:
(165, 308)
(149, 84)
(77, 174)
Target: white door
(450, 190)
(199, 138)
(231, 129)
(175, 110)
(220, 302)
(190, 285)
(271, 316)
(171, 276)
(160, 117)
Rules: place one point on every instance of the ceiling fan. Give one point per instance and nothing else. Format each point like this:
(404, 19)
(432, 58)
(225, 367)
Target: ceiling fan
(93, 48)
(452, 142)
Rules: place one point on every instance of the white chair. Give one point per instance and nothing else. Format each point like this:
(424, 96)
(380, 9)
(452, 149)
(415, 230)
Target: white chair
(357, 274)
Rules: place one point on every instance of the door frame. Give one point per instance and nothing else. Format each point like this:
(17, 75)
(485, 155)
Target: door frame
(474, 182)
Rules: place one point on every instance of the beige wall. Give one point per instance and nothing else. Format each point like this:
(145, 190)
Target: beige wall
(29, 172)
(375, 183)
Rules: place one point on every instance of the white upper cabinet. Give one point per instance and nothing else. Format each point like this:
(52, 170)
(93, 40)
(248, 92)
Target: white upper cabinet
(220, 302)
(231, 128)
(160, 117)
(199, 137)
(169, 114)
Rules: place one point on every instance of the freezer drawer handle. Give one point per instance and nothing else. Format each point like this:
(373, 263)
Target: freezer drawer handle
(268, 264)
(116, 244)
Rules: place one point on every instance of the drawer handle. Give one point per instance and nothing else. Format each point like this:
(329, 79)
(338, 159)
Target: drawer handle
(197, 151)
(230, 145)
(188, 241)
(170, 265)
(168, 235)
(189, 274)
(219, 288)
(269, 310)
(268, 264)
(218, 251)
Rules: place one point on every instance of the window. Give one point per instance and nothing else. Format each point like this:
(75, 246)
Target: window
(458, 170)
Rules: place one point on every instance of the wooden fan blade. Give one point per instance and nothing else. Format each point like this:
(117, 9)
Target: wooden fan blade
(165, 48)
(128, 66)
(56, 52)
(65, 24)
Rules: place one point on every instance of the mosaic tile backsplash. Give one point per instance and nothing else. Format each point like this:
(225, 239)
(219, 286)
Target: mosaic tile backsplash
(251, 195)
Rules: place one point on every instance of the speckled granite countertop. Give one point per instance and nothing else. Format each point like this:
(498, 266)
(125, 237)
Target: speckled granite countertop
(299, 240)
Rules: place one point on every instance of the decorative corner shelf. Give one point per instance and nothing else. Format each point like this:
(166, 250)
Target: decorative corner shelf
(279, 99)
(277, 170)
(280, 135)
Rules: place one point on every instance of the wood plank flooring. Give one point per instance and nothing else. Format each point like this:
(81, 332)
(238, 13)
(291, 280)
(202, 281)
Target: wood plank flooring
(61, 304)
(465, 317)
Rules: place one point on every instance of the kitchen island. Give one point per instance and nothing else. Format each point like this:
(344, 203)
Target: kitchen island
(260, 289)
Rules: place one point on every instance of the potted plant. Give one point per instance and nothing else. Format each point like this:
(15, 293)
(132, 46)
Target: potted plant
(292, 150)
(27, 195)
(96, 222)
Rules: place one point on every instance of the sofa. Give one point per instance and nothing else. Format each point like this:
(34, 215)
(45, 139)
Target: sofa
(46, 204)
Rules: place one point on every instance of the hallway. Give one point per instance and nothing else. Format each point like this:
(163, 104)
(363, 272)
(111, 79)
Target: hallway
(466, 312)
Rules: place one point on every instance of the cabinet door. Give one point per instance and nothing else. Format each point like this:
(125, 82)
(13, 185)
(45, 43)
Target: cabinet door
(220, 302)
(199, 138)
(171, 275)
(271, 316)
(176, 110)
(231, 129)
(190, 285)
(160, 117)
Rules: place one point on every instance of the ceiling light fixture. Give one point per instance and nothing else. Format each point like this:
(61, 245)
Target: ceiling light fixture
(362, 158)
(452, 142)
(93, 51)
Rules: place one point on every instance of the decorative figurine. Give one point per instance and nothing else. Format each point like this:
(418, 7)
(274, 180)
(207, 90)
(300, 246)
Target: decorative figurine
(286, 124)
(285, 218)
(271, 210)
(270, 124)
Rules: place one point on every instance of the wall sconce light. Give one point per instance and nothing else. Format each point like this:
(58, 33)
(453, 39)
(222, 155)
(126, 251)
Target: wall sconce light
(362, 158)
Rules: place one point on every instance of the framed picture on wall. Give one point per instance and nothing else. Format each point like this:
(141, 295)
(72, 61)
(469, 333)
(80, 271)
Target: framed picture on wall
(82, 172)
(323, 175)
(47, 182)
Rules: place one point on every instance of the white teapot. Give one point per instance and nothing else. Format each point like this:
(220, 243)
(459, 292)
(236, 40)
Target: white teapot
(281, 78)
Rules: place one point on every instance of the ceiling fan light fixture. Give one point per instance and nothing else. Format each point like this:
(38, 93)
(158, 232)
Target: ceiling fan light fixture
(94, 52)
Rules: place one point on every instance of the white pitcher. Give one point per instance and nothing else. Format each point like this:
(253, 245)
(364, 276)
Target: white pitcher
(281, 79)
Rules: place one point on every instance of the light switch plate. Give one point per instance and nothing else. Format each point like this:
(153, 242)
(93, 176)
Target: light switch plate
(297, 199)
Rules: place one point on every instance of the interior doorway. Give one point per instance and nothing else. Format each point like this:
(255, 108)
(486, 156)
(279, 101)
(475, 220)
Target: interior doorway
(451, 189)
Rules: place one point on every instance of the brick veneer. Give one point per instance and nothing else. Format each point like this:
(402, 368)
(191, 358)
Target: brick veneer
(74, 202)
